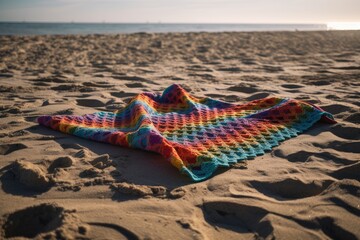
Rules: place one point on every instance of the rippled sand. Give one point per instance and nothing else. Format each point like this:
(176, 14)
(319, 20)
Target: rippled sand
(57, 185)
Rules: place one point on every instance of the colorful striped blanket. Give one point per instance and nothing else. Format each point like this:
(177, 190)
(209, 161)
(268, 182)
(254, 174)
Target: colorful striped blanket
(197, 135)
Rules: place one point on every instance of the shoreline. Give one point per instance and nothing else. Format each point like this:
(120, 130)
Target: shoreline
(113, 28)
(175, 33)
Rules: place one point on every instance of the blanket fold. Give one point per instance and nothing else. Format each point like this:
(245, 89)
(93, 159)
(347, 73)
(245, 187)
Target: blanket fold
(197, 135)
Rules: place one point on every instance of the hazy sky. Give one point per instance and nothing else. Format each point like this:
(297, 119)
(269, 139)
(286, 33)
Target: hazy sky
(182, 11)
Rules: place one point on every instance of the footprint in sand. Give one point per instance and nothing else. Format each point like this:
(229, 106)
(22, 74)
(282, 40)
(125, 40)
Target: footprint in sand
(257, 96)
(198, 68)
(343, 60)
(336, 108)
(230, 69)
(122, 94)
(61, 162)
(343, 146)
(12, 109)
(305, 156)
(232, 98)
(214, 95)
(44, 221)
(135, 85)
(290, 188)
(91, 173)
(248, 61)
(72, 88)
(6, 149)
(233, 215)
(343, 131)
(18, 133)
(353, 118)
(317, 80)
(102, 161)
(333, 97)
(90, 102)
(71, 145)
(258, 219)
(245, 88)
(135, 190)
(348, 68)
(83, 153)
(99, 84)
(342, 187)
(348, 172)
(292, 86)
(133, 78)
(272, 69)
(177, 78)
(203, 76)
(98, 163)
(6, 75)
(105, 229)
(53, 79)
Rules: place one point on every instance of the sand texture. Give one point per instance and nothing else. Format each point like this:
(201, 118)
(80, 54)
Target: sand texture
(58, 186)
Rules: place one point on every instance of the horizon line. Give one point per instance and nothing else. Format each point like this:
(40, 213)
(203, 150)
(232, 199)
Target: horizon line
(159, 22)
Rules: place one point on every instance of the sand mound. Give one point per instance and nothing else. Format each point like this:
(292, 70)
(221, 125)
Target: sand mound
(31, 175)
(41, 220)
(61, 162)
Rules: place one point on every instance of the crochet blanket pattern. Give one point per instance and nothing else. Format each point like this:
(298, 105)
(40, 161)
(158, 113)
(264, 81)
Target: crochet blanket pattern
(197, 135)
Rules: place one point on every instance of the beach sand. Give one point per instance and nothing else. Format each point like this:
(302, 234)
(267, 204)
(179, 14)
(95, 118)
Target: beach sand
(59, 186)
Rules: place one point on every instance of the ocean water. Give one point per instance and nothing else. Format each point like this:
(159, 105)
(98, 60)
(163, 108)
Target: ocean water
(25, 28)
